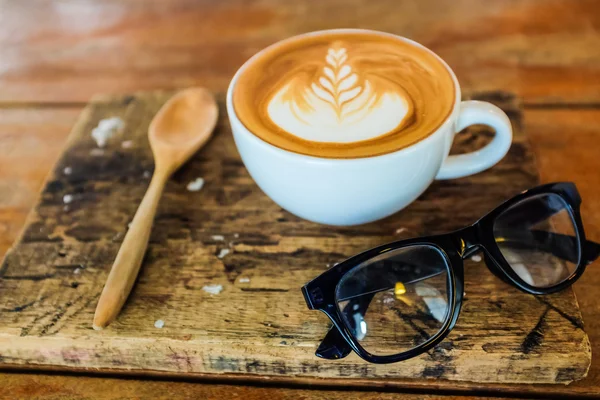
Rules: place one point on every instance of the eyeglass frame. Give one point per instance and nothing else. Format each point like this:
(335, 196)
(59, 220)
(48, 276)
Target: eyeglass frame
(320, 293)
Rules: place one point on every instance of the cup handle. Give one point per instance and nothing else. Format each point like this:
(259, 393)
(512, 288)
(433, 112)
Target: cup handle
(479, 112)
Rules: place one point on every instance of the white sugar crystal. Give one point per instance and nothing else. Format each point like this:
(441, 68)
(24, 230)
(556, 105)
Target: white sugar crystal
(159, 323)
(147, 174)
(400, 230)
(213, 289)
(476, 258)
(106, 129)
(223, 253)
(67, 198)
(244, 280)
(127, 144)
(68, 170)
(113, 123)
(195, 185)
(101, 136)
(218, 238)
(77, 271)
(236, 235)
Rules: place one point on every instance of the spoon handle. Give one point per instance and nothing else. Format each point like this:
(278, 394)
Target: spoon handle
(125, 269)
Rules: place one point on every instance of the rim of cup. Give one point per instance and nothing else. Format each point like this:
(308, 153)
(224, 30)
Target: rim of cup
(450, 119)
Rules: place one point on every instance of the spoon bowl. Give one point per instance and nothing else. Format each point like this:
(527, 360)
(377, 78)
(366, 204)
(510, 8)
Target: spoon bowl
(180, 128)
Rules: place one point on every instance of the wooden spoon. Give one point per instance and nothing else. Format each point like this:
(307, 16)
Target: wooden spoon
(181, 127)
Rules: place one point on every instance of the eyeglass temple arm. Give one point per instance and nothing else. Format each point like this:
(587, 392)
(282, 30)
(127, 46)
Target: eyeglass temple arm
(591, 251)
(333, 346)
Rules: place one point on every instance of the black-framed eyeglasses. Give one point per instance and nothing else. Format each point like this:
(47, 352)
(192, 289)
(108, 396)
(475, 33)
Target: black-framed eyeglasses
(398, 300)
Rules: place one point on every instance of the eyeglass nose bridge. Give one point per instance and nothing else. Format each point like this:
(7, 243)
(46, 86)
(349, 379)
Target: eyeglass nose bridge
(468, 241)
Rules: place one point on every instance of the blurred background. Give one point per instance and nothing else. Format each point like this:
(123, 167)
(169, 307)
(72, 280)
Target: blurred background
(65, 51)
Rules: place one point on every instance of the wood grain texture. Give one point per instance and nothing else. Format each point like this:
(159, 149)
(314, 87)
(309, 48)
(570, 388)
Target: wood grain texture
(558, 137)
(66, 50)
(52, 278)
(30, 142)
(49, 387)
(567, 144)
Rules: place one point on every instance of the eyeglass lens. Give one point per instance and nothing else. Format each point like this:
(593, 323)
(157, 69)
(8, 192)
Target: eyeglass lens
(538, 238)
(396, 301)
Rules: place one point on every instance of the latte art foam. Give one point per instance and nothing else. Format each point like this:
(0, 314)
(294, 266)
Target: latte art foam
(343, 95)
(337, 106)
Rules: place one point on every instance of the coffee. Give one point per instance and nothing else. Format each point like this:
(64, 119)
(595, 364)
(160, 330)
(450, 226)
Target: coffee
(344, 94)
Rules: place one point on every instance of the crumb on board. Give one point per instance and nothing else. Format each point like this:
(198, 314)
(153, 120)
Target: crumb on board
(127, 144)
(67, 198)
(147, 174)
(213, 288)
(106, 129)
(77, 271)
(96, 152)
(476, 258)
(195, 185)
(223, 253)
(236, 235)
(244, 280)
(159, 323)
(218, 238)
(68, 171)
(118, 236)
(400, 230)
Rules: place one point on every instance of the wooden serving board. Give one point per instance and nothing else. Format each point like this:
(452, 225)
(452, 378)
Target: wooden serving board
(259, 324)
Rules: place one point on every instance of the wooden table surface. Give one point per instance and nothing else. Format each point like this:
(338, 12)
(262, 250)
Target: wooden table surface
(54, 55)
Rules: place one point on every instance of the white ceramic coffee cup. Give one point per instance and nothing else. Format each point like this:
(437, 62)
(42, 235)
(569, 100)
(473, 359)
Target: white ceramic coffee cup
(360, 190)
